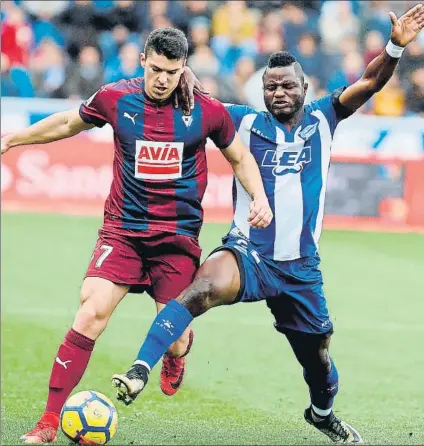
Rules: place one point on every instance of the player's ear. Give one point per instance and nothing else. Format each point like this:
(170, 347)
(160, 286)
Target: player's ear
(143, 60)
(305, 88)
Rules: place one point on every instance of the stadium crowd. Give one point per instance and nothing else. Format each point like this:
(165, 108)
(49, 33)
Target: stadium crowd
(69, 48)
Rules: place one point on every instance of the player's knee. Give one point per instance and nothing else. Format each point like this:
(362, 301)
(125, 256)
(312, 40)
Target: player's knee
(93, 306)
(203, 294)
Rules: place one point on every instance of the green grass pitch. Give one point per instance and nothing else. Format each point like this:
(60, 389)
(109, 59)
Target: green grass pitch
(243, 385)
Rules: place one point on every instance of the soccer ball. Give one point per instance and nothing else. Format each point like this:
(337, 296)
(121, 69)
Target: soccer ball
(89, 417)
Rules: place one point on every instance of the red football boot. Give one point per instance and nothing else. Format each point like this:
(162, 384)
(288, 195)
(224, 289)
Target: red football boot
(45, 431)
(173, 370)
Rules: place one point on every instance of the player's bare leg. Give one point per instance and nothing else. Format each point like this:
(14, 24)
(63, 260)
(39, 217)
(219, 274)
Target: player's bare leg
(321, 375)
(99, 298)
(217, 282)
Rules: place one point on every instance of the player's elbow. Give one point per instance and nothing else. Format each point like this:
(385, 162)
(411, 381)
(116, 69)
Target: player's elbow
(71, 122)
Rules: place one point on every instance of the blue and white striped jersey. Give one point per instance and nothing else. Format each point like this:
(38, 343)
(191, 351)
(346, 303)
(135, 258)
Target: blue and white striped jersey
(294, 167)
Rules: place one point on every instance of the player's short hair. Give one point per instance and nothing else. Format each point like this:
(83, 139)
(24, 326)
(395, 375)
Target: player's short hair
(284, 59)
(169, 42)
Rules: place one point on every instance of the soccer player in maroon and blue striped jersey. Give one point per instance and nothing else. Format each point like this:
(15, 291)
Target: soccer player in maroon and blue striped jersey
(153, 215)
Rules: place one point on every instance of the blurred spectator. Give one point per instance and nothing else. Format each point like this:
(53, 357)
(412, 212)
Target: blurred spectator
(234, 33)
(48, 70)
(44, 27)
(415, 92)
(16, 37)
(270, 43)
(350, 71)
(15, 81)
(103, 5)
(111, 42)
(373, 45)
(78, 25)
(125, 13)
(204, 62)
(309, 56)
(225, 38)
(198, 33)
(232, 87)
(195, 9)
(161, 21)
(390, 101)
(378, 18)
(297, 21)
(41, 8)
(86, 75)
(337, 22)
(270, 23)
(210, 84)
(149, 13)
(127, 66)
(411, 60)
(8, 85)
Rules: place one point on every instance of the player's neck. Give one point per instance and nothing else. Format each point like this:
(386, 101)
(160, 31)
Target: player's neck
(292, 121)
(158, 102)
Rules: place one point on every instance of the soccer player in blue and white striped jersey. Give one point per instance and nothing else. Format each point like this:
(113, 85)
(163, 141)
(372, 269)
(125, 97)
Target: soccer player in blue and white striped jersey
(291, 143)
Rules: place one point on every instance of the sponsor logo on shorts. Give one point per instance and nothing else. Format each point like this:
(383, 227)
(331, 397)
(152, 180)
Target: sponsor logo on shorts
(158, 160)
(326, 323)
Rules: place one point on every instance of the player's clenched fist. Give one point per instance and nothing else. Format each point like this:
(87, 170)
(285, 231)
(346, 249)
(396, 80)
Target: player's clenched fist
(260, 213)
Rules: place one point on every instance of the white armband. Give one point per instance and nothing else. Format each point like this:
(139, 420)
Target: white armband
(394, 50)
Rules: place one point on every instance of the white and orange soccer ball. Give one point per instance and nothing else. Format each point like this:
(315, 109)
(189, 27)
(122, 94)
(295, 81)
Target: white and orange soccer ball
(89, 417)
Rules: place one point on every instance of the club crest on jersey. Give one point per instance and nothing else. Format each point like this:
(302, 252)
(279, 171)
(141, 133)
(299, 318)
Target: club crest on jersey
(287, 161)
(188, 120)
(158, 160)
(308, 131)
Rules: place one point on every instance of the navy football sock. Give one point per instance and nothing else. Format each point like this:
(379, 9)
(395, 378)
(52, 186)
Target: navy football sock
(323, 388)
(167, 327)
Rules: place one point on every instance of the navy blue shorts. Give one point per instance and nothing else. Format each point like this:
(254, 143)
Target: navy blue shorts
(293, 289)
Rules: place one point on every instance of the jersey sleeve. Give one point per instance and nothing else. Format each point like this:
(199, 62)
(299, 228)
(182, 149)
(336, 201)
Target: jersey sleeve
(94, 110)
(238, 112)
(222, 130)
(331, 108)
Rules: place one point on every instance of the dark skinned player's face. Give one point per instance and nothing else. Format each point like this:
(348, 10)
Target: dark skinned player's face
(284, 92)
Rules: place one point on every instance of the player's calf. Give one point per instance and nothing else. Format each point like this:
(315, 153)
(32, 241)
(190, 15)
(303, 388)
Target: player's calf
(130, 384)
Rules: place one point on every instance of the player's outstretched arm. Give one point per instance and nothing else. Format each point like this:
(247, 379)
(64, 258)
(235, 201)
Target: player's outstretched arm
(380, 70)
(247, 171)
(58, 126)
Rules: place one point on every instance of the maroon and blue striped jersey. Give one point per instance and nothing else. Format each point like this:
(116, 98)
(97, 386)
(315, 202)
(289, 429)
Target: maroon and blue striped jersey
(159, 167)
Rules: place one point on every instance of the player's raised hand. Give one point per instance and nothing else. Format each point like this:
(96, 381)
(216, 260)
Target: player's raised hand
(260, 213)
(406, 28)
(184, 94)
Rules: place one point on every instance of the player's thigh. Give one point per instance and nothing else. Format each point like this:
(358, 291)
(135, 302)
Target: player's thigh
(118, 259)
(217, 282)
(300, 306)
(218, 279)
(101, 296)
(172, 266)
(253, 276)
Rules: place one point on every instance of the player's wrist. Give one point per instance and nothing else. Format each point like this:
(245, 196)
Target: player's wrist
(393, 50)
